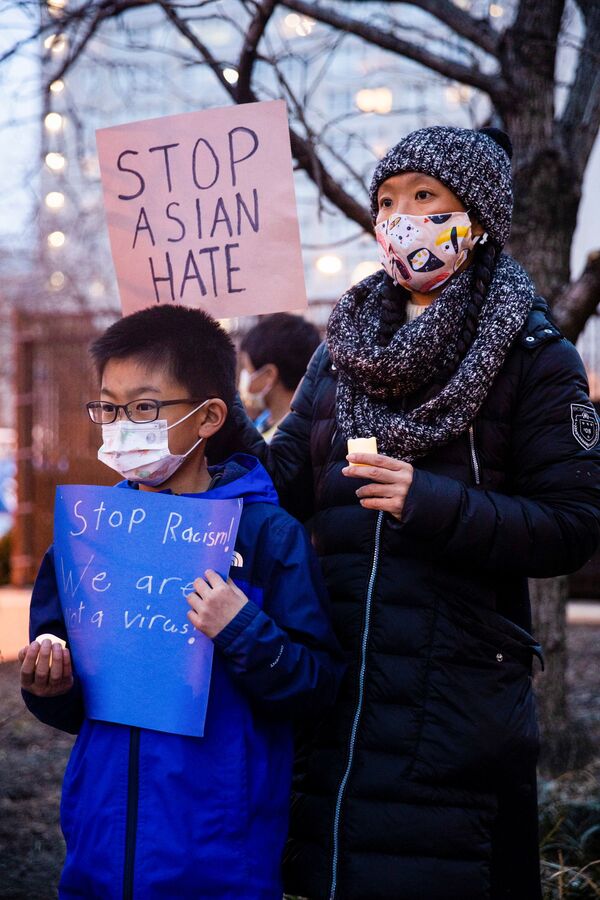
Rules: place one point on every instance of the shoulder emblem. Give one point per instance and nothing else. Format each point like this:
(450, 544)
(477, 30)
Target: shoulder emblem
(585, 425)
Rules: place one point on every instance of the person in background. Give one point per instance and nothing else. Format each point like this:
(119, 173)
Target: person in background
(273, 358)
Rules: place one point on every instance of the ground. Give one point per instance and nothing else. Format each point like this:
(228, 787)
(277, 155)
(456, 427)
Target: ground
(33, 757)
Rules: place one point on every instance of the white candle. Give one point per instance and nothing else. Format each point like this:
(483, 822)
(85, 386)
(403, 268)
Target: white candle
(362, 445)
(52, 638)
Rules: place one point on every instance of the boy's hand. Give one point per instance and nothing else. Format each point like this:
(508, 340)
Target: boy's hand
(43, 679)
(214, 603)
(391, 479)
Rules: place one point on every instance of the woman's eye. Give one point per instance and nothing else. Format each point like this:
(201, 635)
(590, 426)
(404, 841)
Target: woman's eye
(385, 203)
(423, 195)
(144, 406)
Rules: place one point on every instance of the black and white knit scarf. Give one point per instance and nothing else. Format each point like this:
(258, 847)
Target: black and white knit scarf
(372, 379)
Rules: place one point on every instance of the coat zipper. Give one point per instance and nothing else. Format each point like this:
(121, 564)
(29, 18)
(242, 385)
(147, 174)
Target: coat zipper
(133, 791)
(474, 459)
(357, 713)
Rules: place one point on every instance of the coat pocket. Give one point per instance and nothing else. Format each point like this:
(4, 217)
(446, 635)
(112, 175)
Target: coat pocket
(479, 722)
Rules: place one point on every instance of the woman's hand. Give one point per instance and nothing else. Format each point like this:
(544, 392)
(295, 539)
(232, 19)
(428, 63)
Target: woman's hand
(390, 481)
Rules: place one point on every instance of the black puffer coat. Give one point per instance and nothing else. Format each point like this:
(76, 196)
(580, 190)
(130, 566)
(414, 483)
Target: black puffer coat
(420, 784)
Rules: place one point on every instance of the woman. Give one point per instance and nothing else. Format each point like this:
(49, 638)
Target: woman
(421, 783)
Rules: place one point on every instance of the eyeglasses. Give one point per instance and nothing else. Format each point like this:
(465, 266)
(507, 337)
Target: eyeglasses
(101, 412)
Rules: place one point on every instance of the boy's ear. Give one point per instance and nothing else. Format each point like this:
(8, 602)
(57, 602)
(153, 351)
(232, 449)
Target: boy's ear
(272, 371)
(215, 413)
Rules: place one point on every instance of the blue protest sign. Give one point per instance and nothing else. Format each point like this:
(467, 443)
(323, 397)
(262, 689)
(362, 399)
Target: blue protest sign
(125, 561)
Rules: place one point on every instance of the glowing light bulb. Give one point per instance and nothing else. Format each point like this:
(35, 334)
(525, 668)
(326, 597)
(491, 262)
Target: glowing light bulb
(378, 100)
(54, 122)
(56, 43)
(57, 281)
(329, 264)
(97, 289)
(55, 161)
(55, 200)
(56, 239)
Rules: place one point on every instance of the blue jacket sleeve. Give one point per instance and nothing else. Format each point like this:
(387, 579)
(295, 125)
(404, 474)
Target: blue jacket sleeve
(285, 656)
(65, 711)
(550, 524)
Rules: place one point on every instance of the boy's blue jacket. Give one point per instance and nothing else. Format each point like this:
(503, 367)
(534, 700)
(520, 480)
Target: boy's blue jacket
(149, 815)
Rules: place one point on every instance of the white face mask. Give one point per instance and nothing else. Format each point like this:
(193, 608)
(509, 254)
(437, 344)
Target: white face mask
(422, 252)
(139, 451)
(257, 401)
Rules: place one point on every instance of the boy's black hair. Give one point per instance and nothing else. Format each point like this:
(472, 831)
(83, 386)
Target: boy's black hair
(188, 343)
(284, 340)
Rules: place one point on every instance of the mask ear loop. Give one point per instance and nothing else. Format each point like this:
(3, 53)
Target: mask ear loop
(183, 418)
(483, 238)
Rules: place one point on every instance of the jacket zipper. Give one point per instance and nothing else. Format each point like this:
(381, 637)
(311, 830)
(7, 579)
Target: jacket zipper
(133, 791)
(357, 713)
(474, 460)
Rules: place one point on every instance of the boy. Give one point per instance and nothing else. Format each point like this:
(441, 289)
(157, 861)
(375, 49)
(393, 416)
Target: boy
(148, 814)
(273, 358)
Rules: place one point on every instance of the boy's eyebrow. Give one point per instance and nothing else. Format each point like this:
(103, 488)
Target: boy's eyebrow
(136, 392)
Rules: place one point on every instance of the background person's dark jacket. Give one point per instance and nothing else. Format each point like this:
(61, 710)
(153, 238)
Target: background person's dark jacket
(421, 783)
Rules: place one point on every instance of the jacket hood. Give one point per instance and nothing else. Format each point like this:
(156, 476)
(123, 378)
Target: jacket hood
(240, 475)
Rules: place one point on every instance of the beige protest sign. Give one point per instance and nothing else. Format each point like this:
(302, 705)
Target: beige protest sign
(201, 210)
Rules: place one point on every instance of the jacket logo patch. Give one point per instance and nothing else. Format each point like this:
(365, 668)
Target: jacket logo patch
(237, 559)
(586, 427)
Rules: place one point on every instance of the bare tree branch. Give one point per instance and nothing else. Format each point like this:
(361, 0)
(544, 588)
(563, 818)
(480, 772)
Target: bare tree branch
(182, 26)
(254, 33)
(302, 151)
(580, 300)
(581, 117)
(478, 31)
(101, 15)
(493, 85)
(18, 45)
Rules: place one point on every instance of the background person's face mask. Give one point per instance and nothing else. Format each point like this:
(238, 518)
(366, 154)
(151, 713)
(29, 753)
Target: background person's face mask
(422, 252)
(256, 401)
(139, 451)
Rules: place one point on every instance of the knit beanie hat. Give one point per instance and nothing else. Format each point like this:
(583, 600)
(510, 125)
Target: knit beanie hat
(475, 165)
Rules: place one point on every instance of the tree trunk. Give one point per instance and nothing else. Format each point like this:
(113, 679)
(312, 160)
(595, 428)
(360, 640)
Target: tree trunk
(565, 743)
(547, 189)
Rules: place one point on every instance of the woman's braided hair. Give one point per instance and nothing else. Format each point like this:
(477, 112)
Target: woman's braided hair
(393, 310)
(486, 256)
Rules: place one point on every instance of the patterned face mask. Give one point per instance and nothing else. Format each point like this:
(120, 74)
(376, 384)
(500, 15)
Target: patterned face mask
(423, 252)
